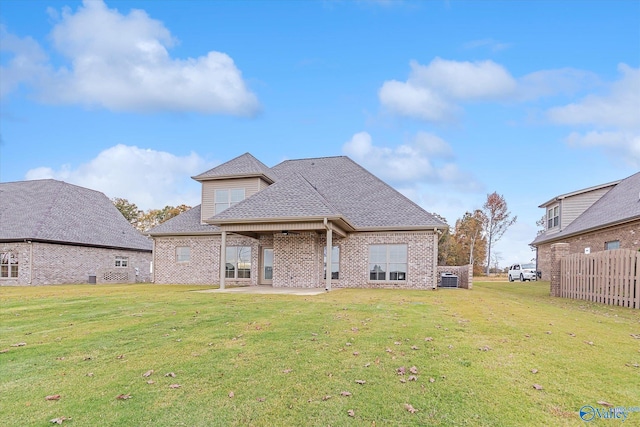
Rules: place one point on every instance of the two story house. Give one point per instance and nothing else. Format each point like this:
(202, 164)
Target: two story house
(318, 222)
(598, 218)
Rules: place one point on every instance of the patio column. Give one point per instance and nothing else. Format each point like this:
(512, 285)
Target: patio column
(329, 250)
(223, 257)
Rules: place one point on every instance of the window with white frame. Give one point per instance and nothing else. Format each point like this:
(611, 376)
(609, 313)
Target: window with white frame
(122, 261)
(8, 265)
(183, 254)
(388, 262)
(614, 244)
(335, 262)
(225, 198)
(238, 262)
(553, 216)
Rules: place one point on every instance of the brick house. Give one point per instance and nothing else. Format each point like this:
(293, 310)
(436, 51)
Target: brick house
(52, 232)
(594, 219)
(285, 226)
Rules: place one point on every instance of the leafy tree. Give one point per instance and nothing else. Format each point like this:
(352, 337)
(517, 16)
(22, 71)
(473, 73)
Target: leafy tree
(470, 239)
(498, 220)
(446, 245)
(129, 210)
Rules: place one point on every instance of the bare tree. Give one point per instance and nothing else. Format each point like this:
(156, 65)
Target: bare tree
(497, 220)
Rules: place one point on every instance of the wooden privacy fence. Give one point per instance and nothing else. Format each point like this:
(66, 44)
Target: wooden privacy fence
(608, 277)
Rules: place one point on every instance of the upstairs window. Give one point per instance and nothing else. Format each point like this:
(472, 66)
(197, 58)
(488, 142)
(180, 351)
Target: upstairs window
(614, 244)
(8, 265)
(122, 261)
(226, 198)
(388, 262)
(553, 217)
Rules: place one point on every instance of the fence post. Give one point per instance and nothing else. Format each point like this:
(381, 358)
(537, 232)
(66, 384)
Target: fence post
(558, 251)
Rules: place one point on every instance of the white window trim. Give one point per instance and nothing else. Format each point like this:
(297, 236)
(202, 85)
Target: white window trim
(11, 266)
(183, 258)
(123, 261)
(235, 263)
(221, 203)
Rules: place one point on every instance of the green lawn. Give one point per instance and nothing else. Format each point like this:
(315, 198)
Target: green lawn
(283, 360)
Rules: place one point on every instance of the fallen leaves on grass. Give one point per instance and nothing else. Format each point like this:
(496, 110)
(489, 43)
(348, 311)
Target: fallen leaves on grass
(351, 413)
(413, 370)
(345, 393)
(485, 348)
(361, 382)
(120, 357)
(53, 397)
(4, 350)
(59, 420)
(410, 408)
(414, 347)
(589, 342)
(287, 371)
(412, 378)
(170, 374)
(325, 398)
(432, 380)
(400, 370)
(19, 344)
(428, 339)
(231, 395)
(604, 403)
(123, 396)
(151, 382)
(636, 336)
(537, 386)
(148, 373)
(261, 399)
(175, 386)
(534, 371)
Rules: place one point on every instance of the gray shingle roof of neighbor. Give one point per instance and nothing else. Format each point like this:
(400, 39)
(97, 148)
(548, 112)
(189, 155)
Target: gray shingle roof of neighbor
(620, 204)
(186, 223)
(244, 165)
(55, 211)
(332, 186)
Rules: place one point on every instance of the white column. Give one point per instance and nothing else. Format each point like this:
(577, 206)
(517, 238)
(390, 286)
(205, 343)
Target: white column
(223, 258)
(329, 248)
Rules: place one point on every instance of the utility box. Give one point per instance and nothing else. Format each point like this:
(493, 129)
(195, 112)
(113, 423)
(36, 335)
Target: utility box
(448, 280)
(92, 280)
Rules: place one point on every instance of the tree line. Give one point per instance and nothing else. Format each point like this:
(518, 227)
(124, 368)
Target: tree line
(145, 220)
(474, 235)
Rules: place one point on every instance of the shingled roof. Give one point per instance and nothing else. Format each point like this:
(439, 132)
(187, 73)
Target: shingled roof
(244, 165)
(619, 205)
(54, 211)
(186, 223)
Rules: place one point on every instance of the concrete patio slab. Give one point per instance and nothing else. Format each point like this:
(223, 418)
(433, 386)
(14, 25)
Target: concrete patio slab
(267, 290)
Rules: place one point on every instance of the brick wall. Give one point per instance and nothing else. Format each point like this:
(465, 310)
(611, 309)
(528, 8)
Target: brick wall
(627, 234)
(49, 264)
(298, 259)
(464, 273)
(204, 264)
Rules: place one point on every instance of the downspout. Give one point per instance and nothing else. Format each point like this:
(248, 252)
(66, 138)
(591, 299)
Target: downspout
(152, 270)
(30, 261)
(327, 286)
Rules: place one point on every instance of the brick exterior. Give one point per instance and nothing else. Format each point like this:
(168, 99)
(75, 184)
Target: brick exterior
(54, 264)
(627, 234)
(298, 259)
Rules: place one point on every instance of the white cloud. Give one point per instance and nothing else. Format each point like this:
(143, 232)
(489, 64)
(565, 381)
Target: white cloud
(148, 178)
(122, 63)
(425, 158)
(27, 64)
(619, 145)
(619, 108)
(563, 81)
(432, 92)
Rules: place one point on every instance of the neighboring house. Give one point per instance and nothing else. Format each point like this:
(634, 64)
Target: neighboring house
(273, 226)
(595, 219)
(52, 232)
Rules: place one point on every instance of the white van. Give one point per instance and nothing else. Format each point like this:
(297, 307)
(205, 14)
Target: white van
(523, 272)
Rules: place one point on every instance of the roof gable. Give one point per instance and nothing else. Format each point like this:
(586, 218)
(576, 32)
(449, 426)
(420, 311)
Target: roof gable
(50, 210)
(242, 166)
(618, 205)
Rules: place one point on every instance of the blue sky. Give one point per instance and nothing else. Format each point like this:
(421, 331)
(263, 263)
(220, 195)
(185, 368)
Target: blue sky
(445, 100)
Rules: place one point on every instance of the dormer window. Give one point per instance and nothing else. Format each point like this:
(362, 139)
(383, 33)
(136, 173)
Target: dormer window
(553, 217)
(226, 198)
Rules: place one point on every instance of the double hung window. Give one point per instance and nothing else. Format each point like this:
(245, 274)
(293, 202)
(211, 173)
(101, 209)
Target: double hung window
(388, 262)
(225, 198)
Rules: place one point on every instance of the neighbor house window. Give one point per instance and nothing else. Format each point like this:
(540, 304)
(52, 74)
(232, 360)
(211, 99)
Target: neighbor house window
(335, 262)
(8, 265)
(183, 254)
(122, 261)
(553, 216)
(238, 263)
(228, 197)
(614, 244)
(388, 262)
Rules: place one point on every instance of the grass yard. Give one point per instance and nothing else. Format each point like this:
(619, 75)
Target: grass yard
(284, 360)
